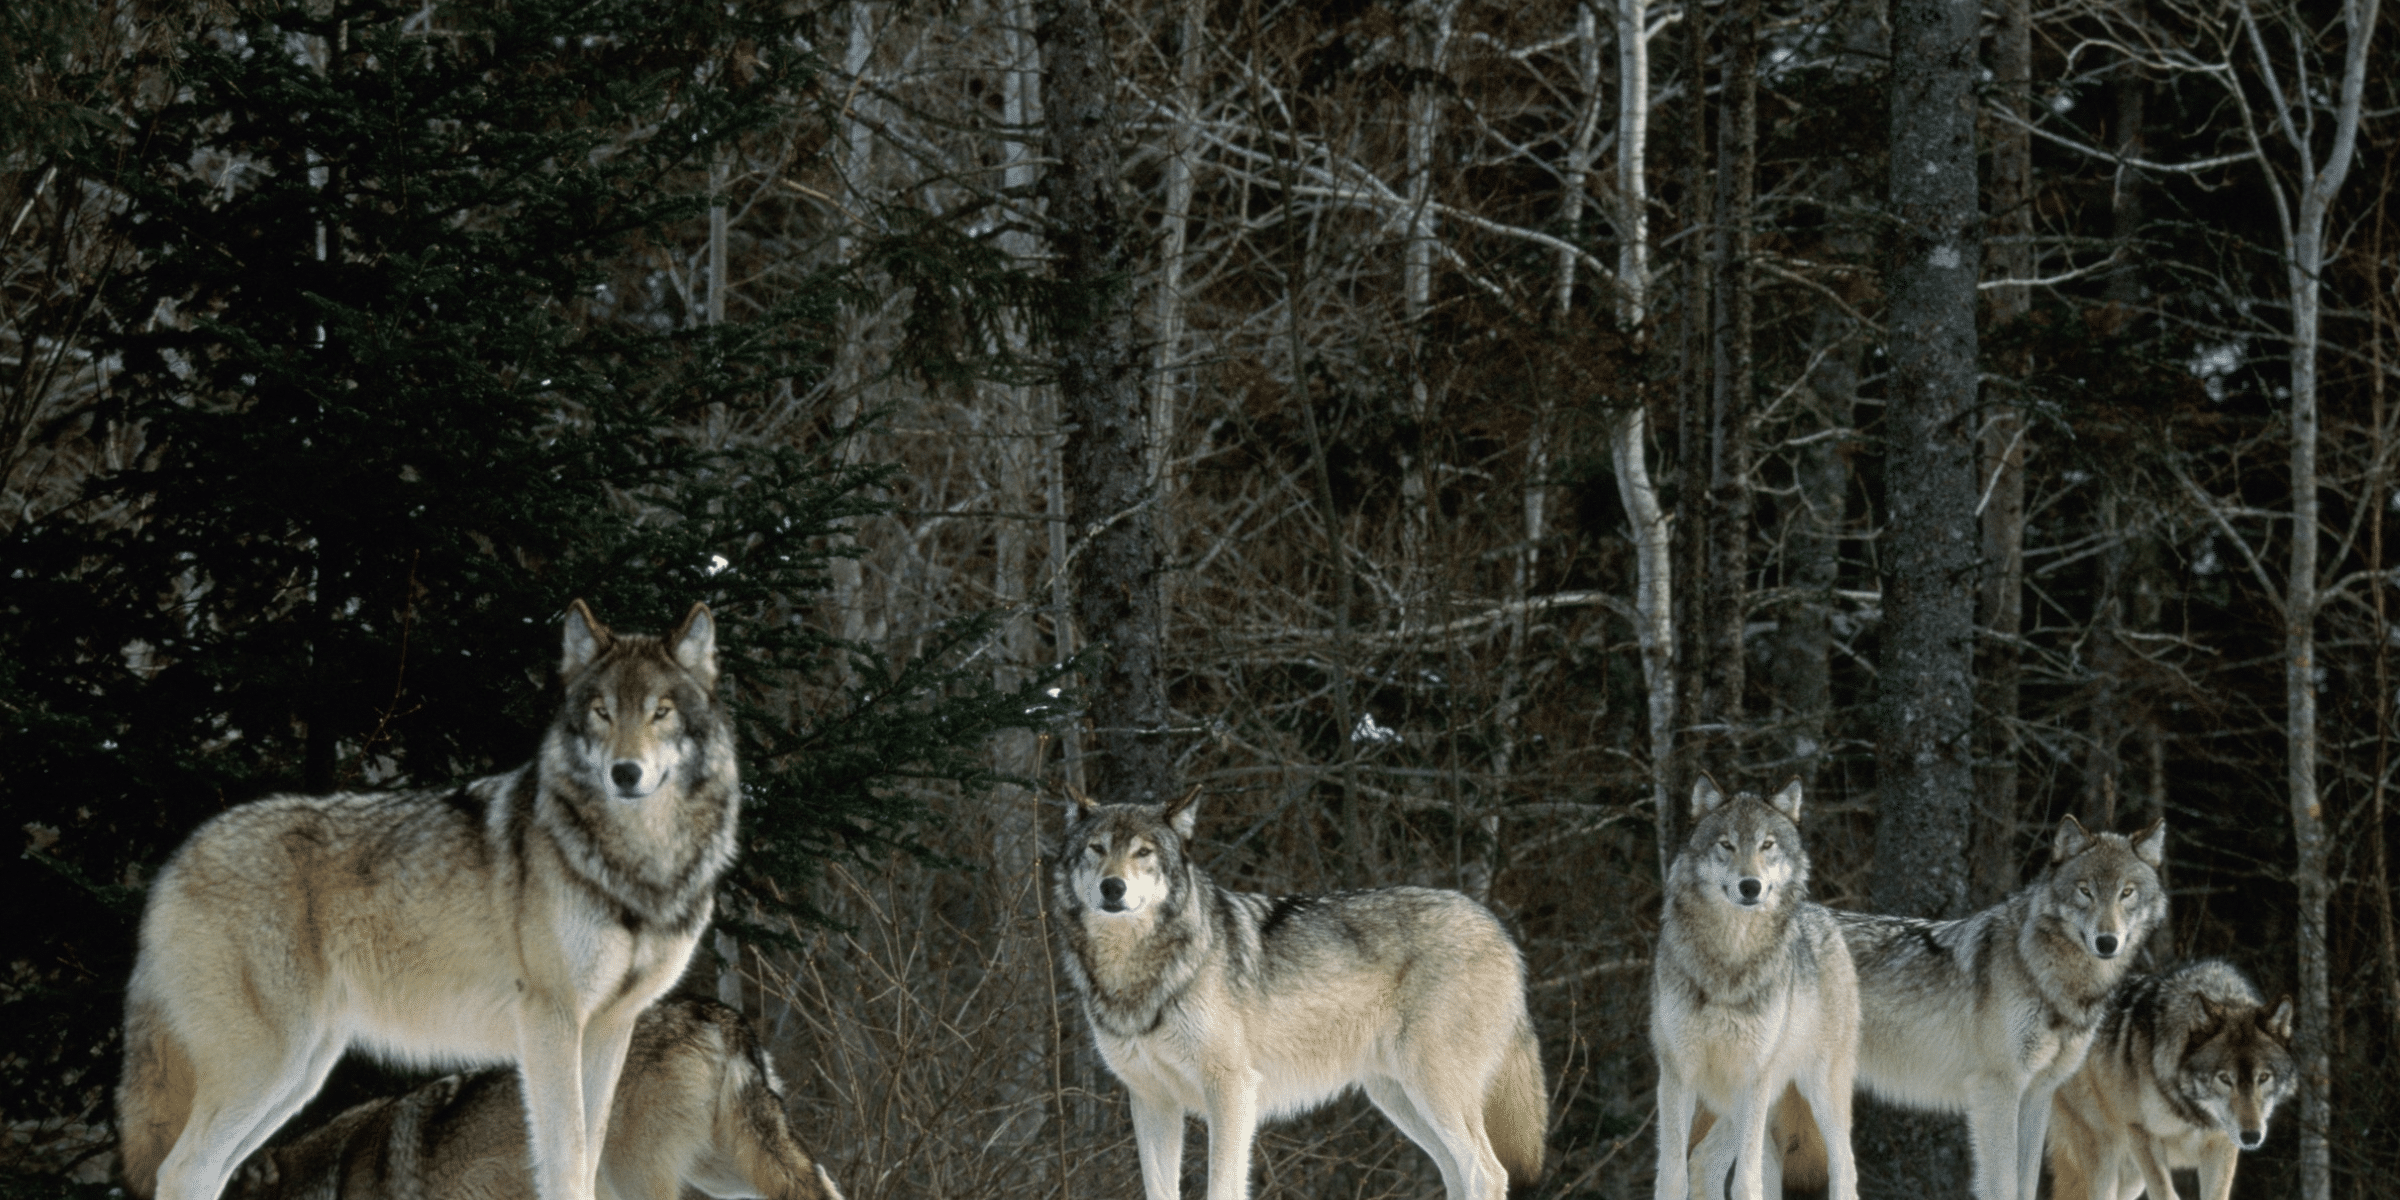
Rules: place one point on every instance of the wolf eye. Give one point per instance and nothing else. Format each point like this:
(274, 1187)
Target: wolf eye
(664, 707)
(2083, 891)
(2127, 894)
(1144, 852)
(1767, 844)
(2225, 1078)
(1094, 851)
(1724, 844)
(600, 710)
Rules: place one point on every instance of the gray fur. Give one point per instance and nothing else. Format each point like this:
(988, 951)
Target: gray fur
(1242, 1007)
(1990, 1013)
(2185, 1070)
(1752, 993)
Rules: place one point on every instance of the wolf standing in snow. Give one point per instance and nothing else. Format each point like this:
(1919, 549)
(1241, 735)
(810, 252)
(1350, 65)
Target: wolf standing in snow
(2185, 1071)
(1753, 992)
(1241, 1007)
(1990, 1013)
(526, 917)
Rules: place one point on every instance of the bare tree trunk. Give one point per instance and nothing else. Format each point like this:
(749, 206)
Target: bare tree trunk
(1690, 531)
(1725, 607)
(1099, 385)
(2000, 607)
(2304, 266)
(1174, 219)
(1924, 760)
(1629, 433)
(1802, 675)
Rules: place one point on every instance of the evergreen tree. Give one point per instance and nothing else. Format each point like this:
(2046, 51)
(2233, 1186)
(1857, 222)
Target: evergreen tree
(399, 395)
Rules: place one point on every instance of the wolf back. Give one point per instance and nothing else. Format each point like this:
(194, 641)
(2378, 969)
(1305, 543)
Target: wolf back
(1989, 1014)
(698, 1105)
(526, 916)
(1241, 1007)
(2185, 1071)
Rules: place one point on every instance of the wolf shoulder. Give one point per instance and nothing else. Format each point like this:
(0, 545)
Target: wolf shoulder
(368, 838)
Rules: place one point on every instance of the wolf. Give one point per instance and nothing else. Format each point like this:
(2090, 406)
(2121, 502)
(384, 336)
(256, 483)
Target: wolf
(1752, 992)
(2185, 1071)
(697, 1105)
(524, 918)
(1241, 1007)
(1990, 1013)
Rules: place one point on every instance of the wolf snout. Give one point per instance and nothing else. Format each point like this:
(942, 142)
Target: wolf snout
(626, 775)
(1751, 888)
(2252, 1139)
(2105, 945)
(1112, 894)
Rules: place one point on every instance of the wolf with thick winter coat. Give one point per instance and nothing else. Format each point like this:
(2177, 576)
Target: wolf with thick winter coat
(698, 1105)
(2185, 1071)
(1243, 1007)
(523, 918)
(1752, 993)
(1990, 1013)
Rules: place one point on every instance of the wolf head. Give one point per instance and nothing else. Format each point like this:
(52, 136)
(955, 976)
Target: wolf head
(640, 711)
(2103, 889)
(1747, 850)
(2237, 1066)
(1124, 859)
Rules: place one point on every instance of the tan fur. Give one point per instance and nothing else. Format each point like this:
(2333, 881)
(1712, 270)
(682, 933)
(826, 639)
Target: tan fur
(1516, 1113)
(2183, 1063)
(692, 1109)
(526, 917)
(1792, 1126)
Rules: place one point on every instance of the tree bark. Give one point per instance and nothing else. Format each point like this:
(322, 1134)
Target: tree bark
(1924, 762)
(1690, 531)
(1091, 232)
(1725, 607)
(2000, 607)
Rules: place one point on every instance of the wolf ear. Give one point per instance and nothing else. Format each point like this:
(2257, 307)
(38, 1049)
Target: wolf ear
(695, 644)
(2150, 845)
(1787, 801)
(1706, 796)
(2278, 1021)
(2071, 840)
(586, 638)
(1183, 814)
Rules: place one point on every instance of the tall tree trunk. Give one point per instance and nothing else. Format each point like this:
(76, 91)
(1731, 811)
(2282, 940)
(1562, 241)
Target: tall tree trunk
(1801, 676)
(1099, 385)
(1629, 432)
(2000, 608)
(1690, 532)
(1725, 608)
(1924, 759)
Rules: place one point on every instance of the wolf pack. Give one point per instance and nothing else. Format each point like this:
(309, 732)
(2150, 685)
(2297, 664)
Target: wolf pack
(532, 926)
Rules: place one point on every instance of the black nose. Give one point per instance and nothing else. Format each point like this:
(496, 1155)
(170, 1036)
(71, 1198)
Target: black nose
(1112, 890)
(1751, 888)
(626, 774)
(2252, 1138)
(2106, 944)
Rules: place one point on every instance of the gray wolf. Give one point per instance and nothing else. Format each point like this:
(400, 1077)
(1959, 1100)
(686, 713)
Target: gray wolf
(697, 1105)
(1243, 1007)
(522, 918)
(1990, 1013)
(2185, 1071)
(1752, 992)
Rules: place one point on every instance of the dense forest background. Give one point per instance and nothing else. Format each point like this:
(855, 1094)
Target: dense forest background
(1439, 430)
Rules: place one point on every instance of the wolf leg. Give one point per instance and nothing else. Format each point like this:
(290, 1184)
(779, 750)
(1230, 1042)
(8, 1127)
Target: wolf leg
(1454, 1108)
(2217, 1159)
(1748, 1130)
(1675, 1102)
(2155, 1175)
(2033, 1128)
(1389, 1096)
(231, 1118)
(1231, 1091)
(605, 1038)
(1158, 1138)
(1828, 1090)
(550, 1062)
(1992, 1127)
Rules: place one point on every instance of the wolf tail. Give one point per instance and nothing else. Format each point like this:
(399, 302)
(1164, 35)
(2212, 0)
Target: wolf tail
(155, 1099)
(1516, 1110)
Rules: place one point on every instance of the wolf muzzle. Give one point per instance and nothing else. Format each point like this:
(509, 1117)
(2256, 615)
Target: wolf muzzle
(1112, 894)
